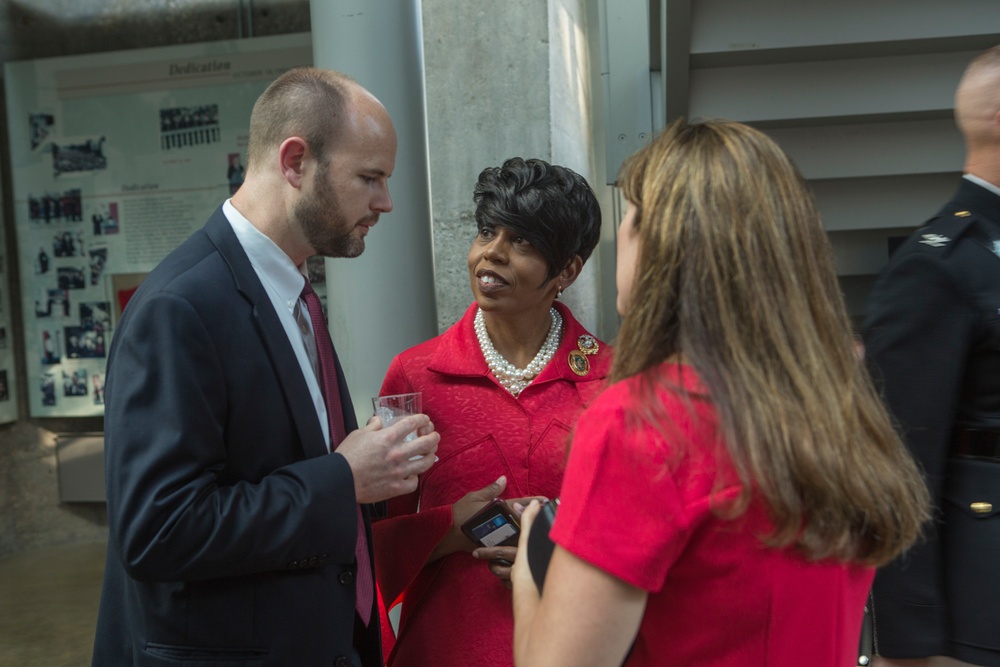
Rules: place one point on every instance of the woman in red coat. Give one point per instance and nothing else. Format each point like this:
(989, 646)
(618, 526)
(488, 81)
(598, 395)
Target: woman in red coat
(503, 386)
(727, 498)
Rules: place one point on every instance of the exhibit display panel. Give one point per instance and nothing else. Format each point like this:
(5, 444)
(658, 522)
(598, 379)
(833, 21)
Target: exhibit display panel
(116, 158)
(8, 376)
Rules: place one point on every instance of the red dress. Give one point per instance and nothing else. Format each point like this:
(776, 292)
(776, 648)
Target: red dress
(635, 508)
(455, 612)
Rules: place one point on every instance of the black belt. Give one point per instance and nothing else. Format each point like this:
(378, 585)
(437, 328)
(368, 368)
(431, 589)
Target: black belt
(976, 444)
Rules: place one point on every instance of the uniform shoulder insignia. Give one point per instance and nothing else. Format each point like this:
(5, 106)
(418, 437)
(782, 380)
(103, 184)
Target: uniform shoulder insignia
(934, 240)
(944, 231)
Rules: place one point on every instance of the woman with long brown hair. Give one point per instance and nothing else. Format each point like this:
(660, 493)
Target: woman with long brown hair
(727, 498)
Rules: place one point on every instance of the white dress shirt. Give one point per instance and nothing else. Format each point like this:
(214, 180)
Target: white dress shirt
(982, 183)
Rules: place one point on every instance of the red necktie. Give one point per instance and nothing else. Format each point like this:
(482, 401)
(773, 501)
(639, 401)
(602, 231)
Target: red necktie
(365, 587)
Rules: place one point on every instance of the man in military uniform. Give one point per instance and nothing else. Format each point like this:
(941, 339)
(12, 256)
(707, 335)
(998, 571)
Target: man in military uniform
(932, 339)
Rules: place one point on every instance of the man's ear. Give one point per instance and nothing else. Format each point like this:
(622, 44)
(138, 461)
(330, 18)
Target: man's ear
(291, 158)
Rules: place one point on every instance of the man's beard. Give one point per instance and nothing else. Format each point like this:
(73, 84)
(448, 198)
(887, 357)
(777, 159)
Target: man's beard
(324, 224)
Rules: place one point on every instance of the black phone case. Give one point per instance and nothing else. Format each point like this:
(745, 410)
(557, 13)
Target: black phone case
(540, 545)
(486, 511)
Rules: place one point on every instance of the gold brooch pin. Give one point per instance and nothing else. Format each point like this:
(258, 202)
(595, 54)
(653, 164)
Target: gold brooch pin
(578, 362)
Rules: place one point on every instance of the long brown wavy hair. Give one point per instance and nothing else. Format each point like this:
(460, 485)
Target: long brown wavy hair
(735, 276)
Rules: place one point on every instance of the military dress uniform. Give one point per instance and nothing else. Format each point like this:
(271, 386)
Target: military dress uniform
(932, 341)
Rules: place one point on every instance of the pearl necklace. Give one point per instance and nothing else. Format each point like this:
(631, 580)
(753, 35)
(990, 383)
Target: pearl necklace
(510, 377)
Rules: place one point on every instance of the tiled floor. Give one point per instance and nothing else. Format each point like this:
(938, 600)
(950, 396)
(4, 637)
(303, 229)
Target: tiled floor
(48, 605)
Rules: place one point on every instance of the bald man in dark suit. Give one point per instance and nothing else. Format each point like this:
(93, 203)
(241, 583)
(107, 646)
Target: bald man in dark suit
(234, 471)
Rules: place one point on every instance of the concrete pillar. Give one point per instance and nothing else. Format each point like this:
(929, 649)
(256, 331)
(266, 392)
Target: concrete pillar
(507, 79)
(382, 302)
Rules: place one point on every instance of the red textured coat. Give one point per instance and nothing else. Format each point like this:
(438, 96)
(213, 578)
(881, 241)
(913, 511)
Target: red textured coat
(455, 612)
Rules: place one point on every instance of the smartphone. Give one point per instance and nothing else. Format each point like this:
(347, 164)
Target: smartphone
(540, 545)
(493, 526)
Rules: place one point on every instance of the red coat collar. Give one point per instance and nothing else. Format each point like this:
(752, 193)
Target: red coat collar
(459, 353)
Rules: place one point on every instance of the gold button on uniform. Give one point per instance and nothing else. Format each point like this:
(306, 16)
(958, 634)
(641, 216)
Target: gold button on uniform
(981, 508)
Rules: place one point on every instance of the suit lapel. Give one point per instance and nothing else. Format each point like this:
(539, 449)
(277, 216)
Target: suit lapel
(272, 334)
(286, 365)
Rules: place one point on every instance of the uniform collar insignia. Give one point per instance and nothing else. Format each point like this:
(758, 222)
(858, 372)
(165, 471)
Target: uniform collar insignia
(934, 240)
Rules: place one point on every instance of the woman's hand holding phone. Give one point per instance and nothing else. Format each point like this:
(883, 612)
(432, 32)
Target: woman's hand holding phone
(465, 507)
(472, 503)
(496, 527)
(500, 560)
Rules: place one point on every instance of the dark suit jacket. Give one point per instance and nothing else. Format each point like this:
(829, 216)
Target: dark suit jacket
(232, 530)
(932, 339)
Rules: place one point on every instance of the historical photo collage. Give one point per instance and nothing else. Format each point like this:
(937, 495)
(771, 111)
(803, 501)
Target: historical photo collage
(70, 307)
(113, 167)
(76, 302)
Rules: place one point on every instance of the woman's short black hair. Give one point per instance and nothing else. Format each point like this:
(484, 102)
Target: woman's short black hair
(552, 207)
